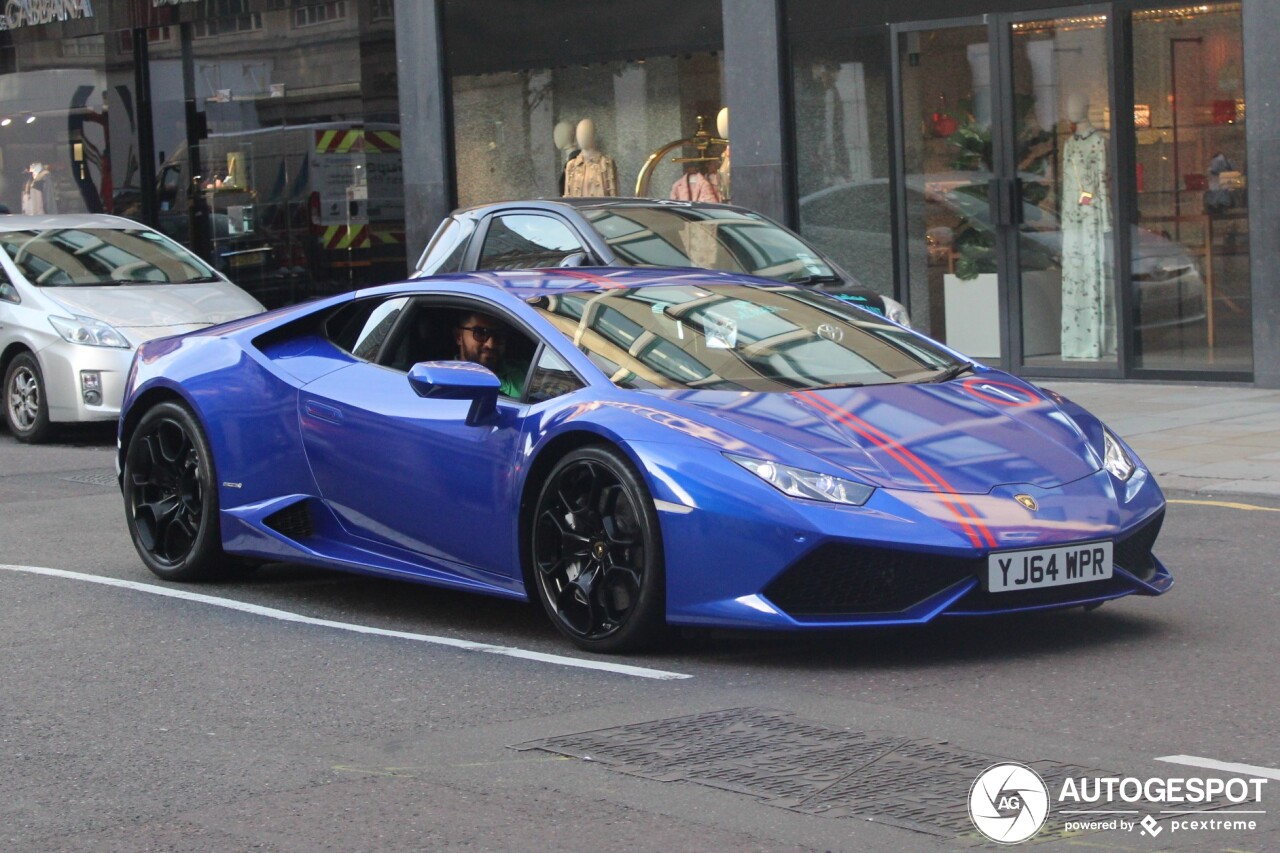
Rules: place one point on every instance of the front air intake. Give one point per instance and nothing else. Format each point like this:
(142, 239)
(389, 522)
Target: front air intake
(838, 579)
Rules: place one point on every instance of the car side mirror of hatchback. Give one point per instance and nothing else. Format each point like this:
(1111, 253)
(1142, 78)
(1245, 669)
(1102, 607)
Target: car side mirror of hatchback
(8, 292)
(458, 380)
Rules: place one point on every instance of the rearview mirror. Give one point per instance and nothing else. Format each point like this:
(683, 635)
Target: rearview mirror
(458, 380)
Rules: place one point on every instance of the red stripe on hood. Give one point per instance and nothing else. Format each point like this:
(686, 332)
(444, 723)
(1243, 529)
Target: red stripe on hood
(973, 525)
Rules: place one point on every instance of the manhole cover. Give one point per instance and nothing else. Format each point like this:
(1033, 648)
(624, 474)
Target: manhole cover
(93, 477)
(806, 767)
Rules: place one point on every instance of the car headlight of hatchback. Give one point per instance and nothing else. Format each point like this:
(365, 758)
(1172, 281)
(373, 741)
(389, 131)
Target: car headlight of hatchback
(89, 332)
(1114, 458)
(799, 483)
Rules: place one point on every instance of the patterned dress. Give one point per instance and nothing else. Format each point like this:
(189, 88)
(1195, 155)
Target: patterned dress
(1088, 308)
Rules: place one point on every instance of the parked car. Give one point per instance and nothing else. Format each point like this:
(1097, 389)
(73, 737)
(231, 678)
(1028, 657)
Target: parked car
(78, 293)
(681, 447)
(849, 222)
(637, 232)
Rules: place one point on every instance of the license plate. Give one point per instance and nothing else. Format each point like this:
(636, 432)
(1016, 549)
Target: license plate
(246, 260)
(1036, 568)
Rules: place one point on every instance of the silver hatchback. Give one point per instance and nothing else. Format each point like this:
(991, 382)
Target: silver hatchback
(78, 293)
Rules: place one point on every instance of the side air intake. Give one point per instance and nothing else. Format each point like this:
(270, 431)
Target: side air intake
(293, 522)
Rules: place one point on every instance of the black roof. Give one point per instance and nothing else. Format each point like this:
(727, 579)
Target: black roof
(596, 203)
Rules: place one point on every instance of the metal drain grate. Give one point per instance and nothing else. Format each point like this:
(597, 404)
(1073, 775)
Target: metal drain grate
(806, 767)
(93, 477)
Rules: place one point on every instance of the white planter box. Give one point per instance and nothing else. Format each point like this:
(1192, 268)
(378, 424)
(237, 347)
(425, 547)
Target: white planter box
(973, 314)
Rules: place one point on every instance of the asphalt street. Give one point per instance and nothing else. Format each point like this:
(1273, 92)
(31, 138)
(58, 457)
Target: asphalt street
(303, 710)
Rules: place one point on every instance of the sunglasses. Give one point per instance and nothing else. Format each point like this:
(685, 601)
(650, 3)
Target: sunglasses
(483, 333)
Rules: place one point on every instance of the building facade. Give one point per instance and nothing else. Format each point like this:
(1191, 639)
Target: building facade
(1075, 191)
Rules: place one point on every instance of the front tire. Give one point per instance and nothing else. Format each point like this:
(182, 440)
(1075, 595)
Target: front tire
(596, 551)
(26, 409)
(171, 496)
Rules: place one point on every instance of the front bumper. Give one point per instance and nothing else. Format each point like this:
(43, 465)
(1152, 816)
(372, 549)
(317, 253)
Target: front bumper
(743, 557)
(62, 363)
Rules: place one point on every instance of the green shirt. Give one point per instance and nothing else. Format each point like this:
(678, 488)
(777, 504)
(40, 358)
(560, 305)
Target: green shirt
(512, 374)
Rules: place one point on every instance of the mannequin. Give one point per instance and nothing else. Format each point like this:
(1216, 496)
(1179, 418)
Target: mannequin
(592, 173)
(38, 196)
(562, 135)
(722, 128)
(1088, 323)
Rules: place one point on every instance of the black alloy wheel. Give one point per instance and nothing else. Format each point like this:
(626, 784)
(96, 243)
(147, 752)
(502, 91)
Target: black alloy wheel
(597, 552)
(26, 409)
(171, 497)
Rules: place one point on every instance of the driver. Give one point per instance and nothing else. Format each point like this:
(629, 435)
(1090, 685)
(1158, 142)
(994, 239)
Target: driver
(482, 339)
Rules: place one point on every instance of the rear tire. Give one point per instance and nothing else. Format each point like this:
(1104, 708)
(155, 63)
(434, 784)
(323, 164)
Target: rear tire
(26, 409)
(596, 553)
(171, 497)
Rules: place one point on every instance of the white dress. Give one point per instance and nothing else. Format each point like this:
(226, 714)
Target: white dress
(1088, 308)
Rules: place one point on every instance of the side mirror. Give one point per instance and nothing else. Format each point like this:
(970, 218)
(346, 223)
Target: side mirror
(577, 259)
(458, 380)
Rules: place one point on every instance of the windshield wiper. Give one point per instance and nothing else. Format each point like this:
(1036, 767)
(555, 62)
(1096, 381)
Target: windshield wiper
(816, 279)
(952, 372)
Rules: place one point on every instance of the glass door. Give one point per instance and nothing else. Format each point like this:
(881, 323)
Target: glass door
(1059, 168)
(1005, 144)
(949, 253)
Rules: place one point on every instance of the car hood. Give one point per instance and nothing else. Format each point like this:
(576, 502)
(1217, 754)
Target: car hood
(967, 436)
(149, 310)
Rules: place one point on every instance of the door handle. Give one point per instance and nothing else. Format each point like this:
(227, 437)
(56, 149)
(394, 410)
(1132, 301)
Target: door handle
(1004, 201)
(321, 412)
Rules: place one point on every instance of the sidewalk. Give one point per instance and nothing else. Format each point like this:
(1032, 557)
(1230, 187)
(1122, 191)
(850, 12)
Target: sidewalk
(1217, 439)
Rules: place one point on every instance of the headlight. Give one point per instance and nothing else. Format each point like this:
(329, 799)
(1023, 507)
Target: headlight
(88, 331)
(1114, 459)
(799, 483)
(897, 312)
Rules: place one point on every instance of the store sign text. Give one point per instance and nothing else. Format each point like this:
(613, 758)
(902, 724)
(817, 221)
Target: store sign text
(26, 13)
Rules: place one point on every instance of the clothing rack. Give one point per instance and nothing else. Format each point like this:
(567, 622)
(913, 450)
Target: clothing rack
(702, 140)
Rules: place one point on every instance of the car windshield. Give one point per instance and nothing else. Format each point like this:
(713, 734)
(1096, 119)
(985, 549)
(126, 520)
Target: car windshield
(740, 338)
(707, 238)
(82, 257)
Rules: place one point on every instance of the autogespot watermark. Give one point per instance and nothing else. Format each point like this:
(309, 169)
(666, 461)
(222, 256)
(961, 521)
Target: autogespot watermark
(1009, 803)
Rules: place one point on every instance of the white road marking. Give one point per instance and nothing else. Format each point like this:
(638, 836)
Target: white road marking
(286, 616)
(1226, 505)
(1213, 764)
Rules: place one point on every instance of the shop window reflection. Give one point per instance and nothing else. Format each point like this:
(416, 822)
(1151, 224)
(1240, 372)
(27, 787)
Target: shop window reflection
(284, 172)
(54, 129)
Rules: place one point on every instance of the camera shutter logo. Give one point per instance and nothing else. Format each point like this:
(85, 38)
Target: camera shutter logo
(1008, 803)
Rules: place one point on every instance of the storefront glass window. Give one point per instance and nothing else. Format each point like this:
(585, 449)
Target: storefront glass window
(840, 89)
(586, 99)
(1192, 287)
(589, 130)
(276, 158)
